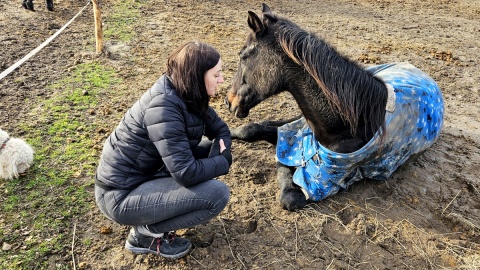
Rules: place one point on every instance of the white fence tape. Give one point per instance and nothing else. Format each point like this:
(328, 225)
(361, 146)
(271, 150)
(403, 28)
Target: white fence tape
(36, 50)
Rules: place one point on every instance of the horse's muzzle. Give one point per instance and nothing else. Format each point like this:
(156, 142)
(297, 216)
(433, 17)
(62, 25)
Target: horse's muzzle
(234, 109)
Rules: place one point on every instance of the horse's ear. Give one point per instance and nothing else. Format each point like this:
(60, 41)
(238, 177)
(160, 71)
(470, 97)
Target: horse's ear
(267, 13)
(255, 23)
(266, 9)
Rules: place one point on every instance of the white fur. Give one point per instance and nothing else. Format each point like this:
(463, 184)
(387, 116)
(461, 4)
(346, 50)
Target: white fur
(15, 158)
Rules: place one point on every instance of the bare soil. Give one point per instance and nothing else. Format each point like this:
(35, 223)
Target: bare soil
(427, 216)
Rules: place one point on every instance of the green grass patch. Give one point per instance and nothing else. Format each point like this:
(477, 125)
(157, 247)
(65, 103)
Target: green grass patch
(39, 210)
(41, 206)
(120, 24)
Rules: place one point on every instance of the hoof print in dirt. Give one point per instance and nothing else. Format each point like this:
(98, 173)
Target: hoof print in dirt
(203, 242)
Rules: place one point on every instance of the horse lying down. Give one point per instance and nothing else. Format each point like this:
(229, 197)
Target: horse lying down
(28, 4)
(356, 122)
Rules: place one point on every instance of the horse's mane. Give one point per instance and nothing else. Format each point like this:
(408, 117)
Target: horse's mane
(348, 87)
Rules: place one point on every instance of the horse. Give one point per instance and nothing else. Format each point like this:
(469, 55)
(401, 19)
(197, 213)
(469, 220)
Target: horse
(28, 4)
(356, 122)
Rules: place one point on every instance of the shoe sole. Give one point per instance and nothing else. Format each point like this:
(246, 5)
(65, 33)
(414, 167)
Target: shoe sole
(138, 250)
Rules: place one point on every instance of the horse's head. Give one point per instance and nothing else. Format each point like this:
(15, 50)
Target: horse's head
(259, 73)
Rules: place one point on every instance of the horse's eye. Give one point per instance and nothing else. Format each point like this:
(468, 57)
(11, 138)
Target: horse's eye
(244, 55)
(242, 50)
(247, 51)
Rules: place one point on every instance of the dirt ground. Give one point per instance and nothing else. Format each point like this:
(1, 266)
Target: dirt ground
(427, 216)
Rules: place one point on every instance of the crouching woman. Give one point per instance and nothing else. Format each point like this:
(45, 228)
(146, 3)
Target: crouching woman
(158, 168)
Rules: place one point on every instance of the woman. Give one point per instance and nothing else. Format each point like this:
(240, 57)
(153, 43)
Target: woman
(157, 168)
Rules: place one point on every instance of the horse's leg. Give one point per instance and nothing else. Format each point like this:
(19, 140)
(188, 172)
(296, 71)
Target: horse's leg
(291, 196)
(253, 132)
(265, 130)
(49, 5)
(28, 4)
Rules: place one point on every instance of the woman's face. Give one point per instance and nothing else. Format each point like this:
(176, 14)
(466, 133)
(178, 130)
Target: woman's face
(213, 77)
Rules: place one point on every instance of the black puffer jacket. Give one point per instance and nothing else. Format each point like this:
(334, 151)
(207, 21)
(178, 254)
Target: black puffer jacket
(159, 132)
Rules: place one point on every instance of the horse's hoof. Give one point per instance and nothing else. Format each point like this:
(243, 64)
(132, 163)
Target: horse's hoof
(292, 199)
(245, 132)
(27, 6)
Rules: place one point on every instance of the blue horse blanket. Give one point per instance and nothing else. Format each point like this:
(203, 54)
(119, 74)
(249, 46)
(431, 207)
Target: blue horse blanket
(414, 119)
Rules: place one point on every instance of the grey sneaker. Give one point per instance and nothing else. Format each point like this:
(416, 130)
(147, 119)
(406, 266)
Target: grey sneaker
(167, 245)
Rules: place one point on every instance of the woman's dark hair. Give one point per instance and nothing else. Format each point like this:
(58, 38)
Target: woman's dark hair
(186, 67)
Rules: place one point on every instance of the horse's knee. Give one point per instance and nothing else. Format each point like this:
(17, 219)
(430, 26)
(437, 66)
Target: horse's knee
(284, 176)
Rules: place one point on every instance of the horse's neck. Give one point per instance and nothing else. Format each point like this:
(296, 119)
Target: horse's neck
(340, 100)
(321, 117)
(328, 124)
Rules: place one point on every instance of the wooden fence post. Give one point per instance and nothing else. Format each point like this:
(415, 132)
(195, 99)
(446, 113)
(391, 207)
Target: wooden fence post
(98, 26)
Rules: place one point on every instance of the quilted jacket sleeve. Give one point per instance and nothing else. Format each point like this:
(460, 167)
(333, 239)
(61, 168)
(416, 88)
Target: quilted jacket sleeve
(167, 128)
(217, 129)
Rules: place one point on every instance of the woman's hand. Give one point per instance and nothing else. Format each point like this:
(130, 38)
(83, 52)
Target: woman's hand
(225, 152)
(222, 146)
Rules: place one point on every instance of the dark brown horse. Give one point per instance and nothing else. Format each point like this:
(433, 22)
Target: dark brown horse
(343, 103)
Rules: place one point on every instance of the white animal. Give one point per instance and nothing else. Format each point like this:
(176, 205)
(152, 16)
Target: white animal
(16, 156)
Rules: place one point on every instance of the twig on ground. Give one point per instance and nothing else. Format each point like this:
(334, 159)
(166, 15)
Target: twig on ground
(451, 201)
(228, 241)
(328, 267)
(195, 259)
(73, 245)
(270, 219)
(296, 239)
(461, 219)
